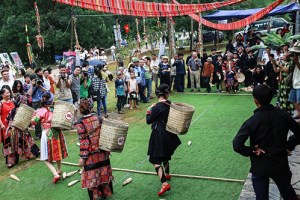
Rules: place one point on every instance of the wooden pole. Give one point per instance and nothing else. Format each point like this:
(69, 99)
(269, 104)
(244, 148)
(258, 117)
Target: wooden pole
(192, 33)
(200, 33)
(174, 175)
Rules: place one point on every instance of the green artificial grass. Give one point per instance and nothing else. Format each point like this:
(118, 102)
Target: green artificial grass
(216, 120)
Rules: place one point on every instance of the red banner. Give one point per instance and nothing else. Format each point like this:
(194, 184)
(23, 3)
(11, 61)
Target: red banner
(137, 8)
(241, 23)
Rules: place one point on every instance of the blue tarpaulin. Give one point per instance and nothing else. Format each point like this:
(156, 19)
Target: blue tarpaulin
(241, 14)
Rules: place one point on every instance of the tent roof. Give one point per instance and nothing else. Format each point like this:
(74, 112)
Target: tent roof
(240, 14)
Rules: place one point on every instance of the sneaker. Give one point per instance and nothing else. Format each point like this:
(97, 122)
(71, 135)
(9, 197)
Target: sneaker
(121, 112)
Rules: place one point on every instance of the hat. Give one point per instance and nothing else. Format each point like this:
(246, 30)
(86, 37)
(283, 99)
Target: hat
(209, 59)
(135, 59)
(295, 48)
(162, 89)
(165, 57)
(47, 98)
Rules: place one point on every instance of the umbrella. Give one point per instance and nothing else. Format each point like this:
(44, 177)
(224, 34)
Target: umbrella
(96, 62)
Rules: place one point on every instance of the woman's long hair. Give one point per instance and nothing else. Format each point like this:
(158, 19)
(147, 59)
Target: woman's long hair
(15, 87)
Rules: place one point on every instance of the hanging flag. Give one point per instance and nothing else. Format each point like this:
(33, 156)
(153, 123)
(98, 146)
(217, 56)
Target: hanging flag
(39, 37)
(126, 28)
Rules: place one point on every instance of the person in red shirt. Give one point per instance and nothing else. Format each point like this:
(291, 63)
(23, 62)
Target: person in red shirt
(207, 73)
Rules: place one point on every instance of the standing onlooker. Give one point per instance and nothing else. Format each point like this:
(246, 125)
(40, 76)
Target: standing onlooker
(140, 77)
(63, 85)
(5, 79)
(268, 150)
(164, 71)
(133, 90)
(113, 52)
(51, 79)
(154, 66)
(148, 77)
(99, 87)
(195, 71)
(295, 92)
(75, 84)
(85, 83)
(46, 79)
(207, 74)
(218, 73)
(180, 73)
(22, 73)
(173, 72)
(120, 92)
(271, 75)
(250, 64)
(27, 83)
(188, 71)
(36, 90)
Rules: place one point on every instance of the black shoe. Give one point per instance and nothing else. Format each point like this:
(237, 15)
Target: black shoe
(192, 90)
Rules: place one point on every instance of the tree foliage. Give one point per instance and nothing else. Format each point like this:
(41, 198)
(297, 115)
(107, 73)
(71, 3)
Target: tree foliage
(56, 26)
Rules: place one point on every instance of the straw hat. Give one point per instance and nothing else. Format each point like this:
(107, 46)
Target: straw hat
(165, 57)
(295, 48)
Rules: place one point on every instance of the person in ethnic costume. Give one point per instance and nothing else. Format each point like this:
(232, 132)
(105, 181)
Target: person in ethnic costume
(162, 143)
(229, 69)
(18, 142)
(53, 144)
(6, 106)
(96, 170)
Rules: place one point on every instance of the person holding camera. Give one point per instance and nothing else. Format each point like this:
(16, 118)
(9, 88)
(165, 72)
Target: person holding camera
(63, 85)
(36, 90)
(85, 83)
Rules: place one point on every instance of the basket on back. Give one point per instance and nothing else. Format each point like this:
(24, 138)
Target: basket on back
(23, 116)
(113, 135)
(180, 117)
(63, 115)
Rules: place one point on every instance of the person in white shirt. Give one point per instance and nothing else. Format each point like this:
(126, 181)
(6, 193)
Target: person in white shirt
(46, 80)
(265, 57)
(154, 67)
(103, 56)
(5, 79)
(113, 52)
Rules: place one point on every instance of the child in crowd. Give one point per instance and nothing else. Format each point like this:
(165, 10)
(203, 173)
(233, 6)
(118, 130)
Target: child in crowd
(27, 83)
(120, 92)
(133, 90)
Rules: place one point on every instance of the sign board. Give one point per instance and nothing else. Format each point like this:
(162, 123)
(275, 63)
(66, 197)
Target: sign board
(5, 58)
(17, 60)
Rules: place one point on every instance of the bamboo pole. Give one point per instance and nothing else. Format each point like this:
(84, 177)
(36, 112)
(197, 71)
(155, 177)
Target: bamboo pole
(174, 175)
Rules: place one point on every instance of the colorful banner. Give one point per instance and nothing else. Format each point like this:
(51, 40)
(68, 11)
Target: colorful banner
(146, 9)
(5, 58)
(17, 60)
(237, 24)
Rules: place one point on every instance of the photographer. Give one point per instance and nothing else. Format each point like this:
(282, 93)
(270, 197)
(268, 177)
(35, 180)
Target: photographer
(63, 85)
(85, 83)
(36, 90)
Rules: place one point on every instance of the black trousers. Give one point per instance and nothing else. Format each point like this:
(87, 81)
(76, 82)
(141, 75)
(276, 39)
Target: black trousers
(38, 128)
(248, 78)
(273, 84)
(180, 82)
(206, 81)
(283, 182)
(141, 93)
(120, 102)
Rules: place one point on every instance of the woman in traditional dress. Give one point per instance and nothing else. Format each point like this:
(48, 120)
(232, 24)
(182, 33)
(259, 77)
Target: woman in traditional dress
(284, 69)
(53, 145)
(96, 170)
(162, 143)
(21, 142)
(6, 106)
(229, 71)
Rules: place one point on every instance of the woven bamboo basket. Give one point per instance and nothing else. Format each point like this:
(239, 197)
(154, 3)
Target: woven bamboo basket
(113, 135)
(180, 118)
(63, 115)
(23, 117)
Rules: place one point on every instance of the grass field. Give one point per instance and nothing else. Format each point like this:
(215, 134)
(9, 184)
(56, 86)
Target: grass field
(215, 123)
